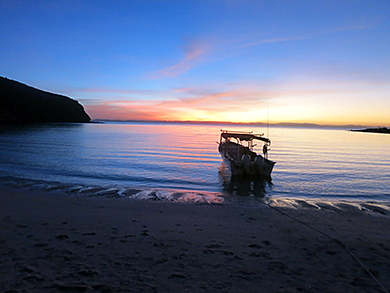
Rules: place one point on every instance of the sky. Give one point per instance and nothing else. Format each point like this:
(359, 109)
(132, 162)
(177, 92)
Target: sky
(291, 61)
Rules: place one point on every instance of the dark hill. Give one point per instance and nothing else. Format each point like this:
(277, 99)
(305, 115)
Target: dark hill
(24, 104)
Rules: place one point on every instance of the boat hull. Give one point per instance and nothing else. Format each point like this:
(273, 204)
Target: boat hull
(242, 162)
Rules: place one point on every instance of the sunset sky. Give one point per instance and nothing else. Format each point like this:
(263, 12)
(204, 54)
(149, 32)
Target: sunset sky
(325, 62)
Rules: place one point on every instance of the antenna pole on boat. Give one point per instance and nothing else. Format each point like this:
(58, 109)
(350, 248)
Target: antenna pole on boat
(267, 122)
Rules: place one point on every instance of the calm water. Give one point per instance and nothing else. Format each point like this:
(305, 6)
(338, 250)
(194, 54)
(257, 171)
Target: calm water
(173, 159)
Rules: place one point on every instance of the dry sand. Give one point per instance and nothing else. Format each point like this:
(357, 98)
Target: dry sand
(57, 243)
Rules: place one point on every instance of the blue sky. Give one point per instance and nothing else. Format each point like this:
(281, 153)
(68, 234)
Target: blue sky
(324, 62)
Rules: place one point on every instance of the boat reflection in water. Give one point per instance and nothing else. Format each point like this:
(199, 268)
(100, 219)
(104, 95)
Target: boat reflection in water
(238, 185)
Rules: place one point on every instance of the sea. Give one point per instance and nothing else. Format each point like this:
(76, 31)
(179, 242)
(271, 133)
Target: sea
(180, 162)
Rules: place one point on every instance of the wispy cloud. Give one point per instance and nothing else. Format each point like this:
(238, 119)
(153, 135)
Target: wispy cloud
(194, 54)
(200, 51)
(212, 48)
(275, 40)
(308, 35)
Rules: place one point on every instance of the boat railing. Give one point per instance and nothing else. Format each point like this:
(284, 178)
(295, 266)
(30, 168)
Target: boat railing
(238, 132)
(233, 132)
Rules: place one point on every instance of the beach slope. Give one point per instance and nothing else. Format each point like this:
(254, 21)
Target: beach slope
(53, 242)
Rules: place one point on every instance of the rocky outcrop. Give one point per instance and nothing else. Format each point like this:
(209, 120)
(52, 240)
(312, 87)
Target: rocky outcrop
(374, 130)
(25, 104)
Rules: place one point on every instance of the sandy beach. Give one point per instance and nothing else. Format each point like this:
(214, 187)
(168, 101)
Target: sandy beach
(53, 242)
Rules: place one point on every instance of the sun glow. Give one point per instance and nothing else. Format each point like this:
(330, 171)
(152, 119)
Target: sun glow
(279, 111)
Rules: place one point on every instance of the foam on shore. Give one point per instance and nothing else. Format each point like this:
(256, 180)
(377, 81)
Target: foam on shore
(200, 197)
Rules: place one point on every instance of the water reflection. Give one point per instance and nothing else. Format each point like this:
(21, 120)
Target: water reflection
(242, 186)
(185, 157)
(37, 128)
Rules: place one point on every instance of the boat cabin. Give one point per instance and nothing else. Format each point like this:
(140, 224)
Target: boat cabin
(243, 144)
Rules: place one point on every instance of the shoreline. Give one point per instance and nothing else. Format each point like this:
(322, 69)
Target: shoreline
(54, 242)
(197, 196)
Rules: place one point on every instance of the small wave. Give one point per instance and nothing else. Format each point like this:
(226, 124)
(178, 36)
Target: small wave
(179, 196)
(197, 197)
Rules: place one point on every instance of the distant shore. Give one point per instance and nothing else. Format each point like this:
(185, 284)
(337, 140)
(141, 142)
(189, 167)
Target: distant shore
(259, 124)
(373, 130)
(51, 241)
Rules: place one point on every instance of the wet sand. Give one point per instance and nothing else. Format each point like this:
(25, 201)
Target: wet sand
(52, 242)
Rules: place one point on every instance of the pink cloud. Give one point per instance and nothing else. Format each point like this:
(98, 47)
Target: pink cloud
(207, 104)
(194, 53)
(191, 101)
(124, 110)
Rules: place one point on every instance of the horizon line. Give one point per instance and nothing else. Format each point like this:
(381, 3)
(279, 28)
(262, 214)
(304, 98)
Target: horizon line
(286, 124)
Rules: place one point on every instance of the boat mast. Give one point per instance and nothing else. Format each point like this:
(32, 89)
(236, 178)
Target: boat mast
(267, 122)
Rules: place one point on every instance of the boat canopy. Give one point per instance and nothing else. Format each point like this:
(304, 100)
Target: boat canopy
(244, 136)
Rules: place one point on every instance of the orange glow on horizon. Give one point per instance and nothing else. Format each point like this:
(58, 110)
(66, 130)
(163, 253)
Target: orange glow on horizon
(143, 112)
(248, 105)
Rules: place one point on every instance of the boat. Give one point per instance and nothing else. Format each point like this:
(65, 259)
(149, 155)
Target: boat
(236, 149)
